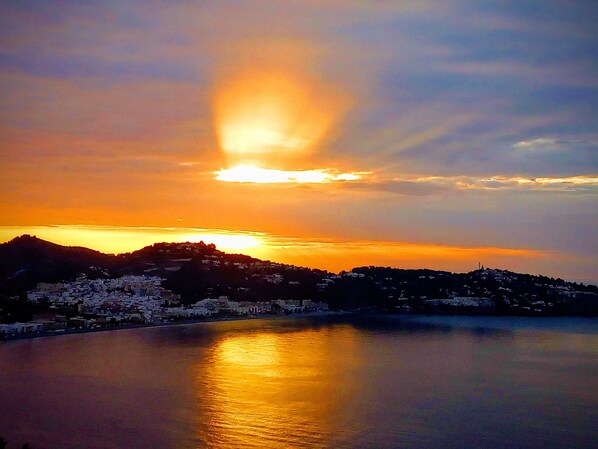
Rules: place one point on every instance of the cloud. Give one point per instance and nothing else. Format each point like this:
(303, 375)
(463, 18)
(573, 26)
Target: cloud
(435, 185)
(107, 113)
(543, 184)
(257, 175)
(400, 187)
(537, 74)
(541, 143)
(551, 144)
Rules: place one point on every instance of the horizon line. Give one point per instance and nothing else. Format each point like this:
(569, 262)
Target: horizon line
(327, 254)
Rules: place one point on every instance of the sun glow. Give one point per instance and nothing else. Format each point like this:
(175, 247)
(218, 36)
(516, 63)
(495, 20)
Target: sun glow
(329, 254)
(113, 239)
(270, 117)
(249, 173)
(269, 121)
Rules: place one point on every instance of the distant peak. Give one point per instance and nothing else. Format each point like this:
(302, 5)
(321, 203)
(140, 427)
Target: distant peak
(25, 238)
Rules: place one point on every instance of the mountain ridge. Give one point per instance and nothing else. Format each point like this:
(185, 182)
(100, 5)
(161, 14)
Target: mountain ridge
(199, 270)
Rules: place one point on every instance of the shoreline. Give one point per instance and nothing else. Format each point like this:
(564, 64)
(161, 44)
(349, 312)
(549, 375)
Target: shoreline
(44, 334)
(268, 316)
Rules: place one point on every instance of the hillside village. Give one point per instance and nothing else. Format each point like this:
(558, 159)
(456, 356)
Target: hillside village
(87, 303)
(50, 288)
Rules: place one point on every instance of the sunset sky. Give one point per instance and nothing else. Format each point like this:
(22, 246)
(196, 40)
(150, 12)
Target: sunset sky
(321, 133)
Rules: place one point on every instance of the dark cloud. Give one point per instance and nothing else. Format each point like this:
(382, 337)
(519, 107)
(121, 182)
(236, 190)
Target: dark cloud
(399, 187)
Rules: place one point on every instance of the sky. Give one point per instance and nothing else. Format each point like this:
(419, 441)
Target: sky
(322, 133)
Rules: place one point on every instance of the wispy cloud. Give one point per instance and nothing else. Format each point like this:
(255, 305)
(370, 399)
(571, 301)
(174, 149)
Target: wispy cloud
(536, 143)
(562, 184)
(433, 185)
(257, 175)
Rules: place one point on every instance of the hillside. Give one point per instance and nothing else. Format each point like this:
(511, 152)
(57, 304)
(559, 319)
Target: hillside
(195, 271)
(27, 260)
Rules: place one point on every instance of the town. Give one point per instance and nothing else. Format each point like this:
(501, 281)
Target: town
(48, 289)
(138, 299)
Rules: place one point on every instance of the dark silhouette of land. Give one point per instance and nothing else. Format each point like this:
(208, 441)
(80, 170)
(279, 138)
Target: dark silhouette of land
(195, 271)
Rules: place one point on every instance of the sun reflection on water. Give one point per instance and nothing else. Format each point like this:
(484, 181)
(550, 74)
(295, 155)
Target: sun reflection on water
(270, 390)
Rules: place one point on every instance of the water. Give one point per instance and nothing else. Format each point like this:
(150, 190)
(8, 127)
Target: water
(326, 382)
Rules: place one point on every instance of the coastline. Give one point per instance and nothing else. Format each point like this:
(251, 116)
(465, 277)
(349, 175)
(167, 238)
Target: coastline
(269, 316)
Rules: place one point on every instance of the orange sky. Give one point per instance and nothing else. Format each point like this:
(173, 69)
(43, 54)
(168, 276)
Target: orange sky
(337, 134)
(328, 254)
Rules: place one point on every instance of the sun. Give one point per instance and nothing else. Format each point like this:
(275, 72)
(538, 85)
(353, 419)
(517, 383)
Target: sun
(258, 175)
(269, 122)
(269, 118)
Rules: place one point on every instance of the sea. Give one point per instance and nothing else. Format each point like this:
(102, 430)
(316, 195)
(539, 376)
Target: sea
(339, 381)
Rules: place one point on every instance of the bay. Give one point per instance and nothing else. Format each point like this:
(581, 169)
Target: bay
(313, 382)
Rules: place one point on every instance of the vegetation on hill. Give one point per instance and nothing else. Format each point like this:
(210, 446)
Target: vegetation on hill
(197, 270)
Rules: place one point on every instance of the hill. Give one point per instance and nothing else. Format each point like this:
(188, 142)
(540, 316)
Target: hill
(195, 271)
(27, 260)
